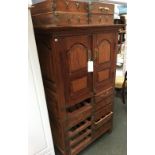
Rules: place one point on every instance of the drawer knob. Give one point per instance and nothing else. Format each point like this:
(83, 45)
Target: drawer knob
(106, 9)
(77, 5)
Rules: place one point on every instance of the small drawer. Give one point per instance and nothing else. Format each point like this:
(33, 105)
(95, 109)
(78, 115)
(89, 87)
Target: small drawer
(79, 127)
(103, 112)
(103, 94)
(96, 7)
(102, 129)
(99, 105)
(101, 19)
(103, 120)
(78, 113)
(70, 6)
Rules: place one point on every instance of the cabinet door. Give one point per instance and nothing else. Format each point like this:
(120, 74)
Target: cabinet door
(104, 60)
(74, 53)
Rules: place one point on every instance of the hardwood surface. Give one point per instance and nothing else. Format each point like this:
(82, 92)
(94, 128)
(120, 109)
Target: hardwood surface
(80, 103)
(71, 12)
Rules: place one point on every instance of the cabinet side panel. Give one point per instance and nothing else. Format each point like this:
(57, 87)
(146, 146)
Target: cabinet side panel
(51, 77)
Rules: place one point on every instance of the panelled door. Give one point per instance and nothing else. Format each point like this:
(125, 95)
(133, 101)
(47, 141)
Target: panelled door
(104, 60)
(75, 52)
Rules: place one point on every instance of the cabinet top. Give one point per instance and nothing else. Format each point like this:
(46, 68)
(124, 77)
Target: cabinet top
(49, 28)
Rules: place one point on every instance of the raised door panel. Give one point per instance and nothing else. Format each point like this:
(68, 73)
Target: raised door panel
(77, 57)
(104, 64)
(104, 52)
(74, 56)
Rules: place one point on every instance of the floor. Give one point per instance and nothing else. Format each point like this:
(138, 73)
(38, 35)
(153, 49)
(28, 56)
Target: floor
(114, 143)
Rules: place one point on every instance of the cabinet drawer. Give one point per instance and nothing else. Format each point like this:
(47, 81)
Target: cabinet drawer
(70, 6)
(101, 19)
(60, 19)
(103, 112)
(102, 129)
(101, 8)
(102, 120)
(99, 105)
(103, 94)
(78, 113)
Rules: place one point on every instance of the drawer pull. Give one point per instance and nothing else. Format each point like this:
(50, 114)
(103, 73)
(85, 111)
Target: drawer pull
(106, 9)
(105, 93)
(103, 118)
(103, 8)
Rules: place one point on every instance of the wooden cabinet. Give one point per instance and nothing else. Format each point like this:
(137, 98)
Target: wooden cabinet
(80, 103)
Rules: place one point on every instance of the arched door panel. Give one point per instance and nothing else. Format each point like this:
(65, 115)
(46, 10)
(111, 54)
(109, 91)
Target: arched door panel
(104, 64)
(74, 55)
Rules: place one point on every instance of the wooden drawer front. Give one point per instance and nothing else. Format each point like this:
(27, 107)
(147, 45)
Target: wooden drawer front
(103, 119)
(80, 112)
(101, 8)
(100, 114)
(103, 94)
(60, 19)
(99, 105)
(102, 129)
(100, 19)
(70, 6)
